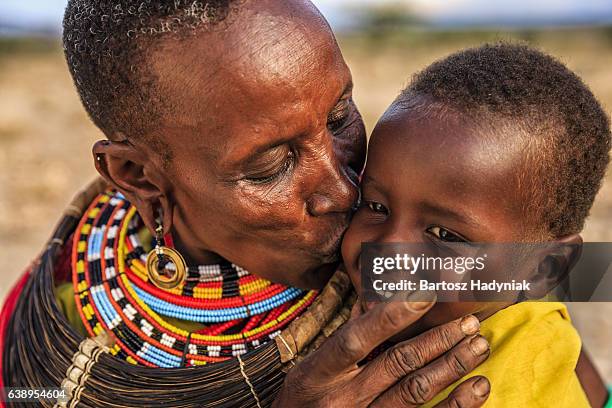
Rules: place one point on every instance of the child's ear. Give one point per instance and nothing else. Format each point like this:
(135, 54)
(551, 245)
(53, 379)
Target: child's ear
(556, 262)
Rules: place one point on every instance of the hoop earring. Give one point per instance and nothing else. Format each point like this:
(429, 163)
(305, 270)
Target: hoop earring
(166, 267)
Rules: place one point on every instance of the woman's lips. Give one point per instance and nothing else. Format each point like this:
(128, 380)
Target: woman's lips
(334, 243)
(330, 249)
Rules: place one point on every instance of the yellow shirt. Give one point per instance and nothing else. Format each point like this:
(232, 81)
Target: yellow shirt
(534, 351)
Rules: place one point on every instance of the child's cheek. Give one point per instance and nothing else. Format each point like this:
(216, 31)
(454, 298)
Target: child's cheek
(351, 248)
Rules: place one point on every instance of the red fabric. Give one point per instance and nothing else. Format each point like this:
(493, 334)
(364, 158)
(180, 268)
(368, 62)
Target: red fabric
(62, 274)
(62, 269)
(7, 312)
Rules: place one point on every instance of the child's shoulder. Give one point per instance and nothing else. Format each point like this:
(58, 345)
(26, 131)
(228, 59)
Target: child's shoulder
(534, 351)
(529, 318)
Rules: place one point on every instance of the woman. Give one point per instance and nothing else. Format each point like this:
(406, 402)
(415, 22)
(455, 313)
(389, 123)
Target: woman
(232, 139)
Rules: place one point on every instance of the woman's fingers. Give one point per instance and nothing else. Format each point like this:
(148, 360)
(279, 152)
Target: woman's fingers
(411, 355)
(422, 385)
(407, 375)
(472, 393)
(356, 339)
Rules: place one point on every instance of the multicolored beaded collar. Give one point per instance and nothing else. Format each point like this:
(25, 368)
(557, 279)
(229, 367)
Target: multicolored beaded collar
(112, 291)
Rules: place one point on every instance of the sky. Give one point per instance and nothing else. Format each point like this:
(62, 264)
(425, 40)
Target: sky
(48, 13)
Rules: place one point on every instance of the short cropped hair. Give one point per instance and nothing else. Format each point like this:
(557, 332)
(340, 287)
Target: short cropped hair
(105, 44)
(565, 125)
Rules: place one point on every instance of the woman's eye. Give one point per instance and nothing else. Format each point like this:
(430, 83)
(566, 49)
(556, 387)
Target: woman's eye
(274, 172)
(445, 235)
(337, 117)
(377, 207)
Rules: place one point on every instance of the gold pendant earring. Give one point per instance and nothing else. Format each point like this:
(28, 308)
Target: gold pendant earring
(166, 267)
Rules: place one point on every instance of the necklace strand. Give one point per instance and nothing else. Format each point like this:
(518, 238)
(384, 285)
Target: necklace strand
(241, 311)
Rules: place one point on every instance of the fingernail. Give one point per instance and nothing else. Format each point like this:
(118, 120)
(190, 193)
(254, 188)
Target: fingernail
(469, 325)
(479, 345)
(481, 387)
(367, 306)
(421, 299)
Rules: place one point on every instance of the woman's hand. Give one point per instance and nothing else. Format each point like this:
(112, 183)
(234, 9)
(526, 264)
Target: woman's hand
(409, 374)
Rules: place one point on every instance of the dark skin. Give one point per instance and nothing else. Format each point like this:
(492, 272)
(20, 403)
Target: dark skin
(466, 191)
(469, 195)
(274, 152)
(591, 381)
(266, 146)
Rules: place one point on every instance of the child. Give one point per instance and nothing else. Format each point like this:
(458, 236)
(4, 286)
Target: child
(500, 143)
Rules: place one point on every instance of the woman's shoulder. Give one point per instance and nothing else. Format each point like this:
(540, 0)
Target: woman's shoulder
(64, 297)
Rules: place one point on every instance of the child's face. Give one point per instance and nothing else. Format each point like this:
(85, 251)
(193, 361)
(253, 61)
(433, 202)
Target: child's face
(429, 180)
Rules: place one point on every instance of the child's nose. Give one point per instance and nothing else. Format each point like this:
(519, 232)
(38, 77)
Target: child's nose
(400, 234)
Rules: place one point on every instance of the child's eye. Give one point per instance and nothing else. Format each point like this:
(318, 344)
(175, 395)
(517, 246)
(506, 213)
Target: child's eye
(445, 235)
(377, 207)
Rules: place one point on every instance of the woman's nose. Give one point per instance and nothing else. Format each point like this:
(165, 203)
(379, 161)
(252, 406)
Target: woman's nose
(341, 200)
(338, 192)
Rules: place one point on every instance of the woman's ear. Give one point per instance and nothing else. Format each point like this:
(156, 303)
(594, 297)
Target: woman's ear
(555, 263)
(132, 172)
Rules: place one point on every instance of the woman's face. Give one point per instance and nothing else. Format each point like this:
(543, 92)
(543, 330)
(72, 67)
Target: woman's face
(266, 142)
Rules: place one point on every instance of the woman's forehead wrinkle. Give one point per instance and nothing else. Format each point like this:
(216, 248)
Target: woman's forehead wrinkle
(267, 74)
(273, 48)
(277, 69)
(290, 55)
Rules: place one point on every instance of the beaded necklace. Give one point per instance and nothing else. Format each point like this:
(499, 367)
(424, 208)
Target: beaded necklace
(112, 292)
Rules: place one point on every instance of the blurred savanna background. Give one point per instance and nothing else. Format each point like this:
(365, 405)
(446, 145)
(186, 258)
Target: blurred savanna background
(45, 135)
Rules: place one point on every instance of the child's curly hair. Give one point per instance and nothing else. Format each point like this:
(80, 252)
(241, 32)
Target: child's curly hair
(566, 129)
